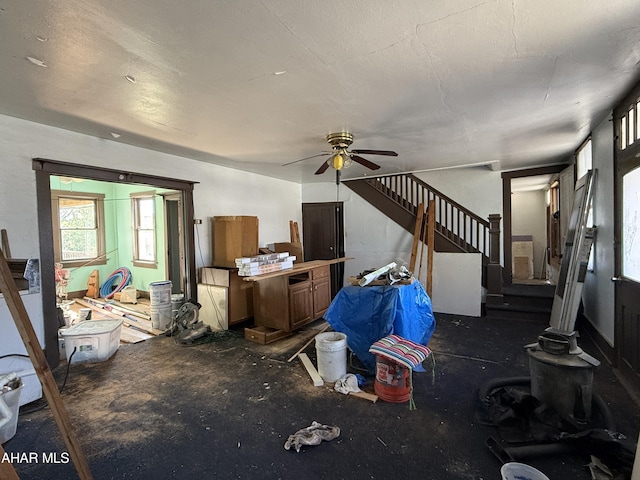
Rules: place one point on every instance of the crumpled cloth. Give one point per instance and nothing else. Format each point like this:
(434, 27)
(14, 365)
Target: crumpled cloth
(312, 435)
(347, 384)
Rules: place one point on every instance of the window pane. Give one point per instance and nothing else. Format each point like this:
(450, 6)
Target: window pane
(632, 133)
(79, 244)
(637, 120)
(630, 223)
(145, 212)
(146, 245)
(623, 133)
(77, 213)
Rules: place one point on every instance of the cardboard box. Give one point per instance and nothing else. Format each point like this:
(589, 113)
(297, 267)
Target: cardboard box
(234, 237)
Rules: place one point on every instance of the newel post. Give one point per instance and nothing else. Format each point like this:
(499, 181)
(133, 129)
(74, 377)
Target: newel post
(494, 269)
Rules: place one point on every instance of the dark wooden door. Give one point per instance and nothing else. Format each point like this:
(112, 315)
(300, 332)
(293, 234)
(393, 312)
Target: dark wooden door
(323, 237)
(627, 241)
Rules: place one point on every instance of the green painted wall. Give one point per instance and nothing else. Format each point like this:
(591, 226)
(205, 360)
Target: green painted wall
(118, 232)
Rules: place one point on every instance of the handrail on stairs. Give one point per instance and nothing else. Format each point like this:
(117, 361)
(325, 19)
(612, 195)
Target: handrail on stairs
(455, 222)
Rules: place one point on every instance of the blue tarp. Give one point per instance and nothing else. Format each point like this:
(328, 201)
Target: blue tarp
(367, 314)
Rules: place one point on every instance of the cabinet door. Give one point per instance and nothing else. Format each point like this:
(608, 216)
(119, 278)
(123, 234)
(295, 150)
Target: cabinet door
(321, 290)
(321, 296)
(300, 304)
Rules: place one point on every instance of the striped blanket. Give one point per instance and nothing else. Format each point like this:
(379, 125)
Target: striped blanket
(400, 350)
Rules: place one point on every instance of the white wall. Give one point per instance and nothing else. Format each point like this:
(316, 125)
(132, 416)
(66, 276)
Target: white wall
(528, 213)
(598, 291)
(220, 191)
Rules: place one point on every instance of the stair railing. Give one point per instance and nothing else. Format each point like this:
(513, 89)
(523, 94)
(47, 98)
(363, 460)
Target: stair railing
(455, 222)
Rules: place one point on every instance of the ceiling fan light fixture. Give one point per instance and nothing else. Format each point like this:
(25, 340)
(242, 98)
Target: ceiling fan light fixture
(341, 159)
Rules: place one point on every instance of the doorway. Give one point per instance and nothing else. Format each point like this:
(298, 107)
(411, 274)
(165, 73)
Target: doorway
(525, 181)
(627, 237)
(44, 170)
(174, 241)
(323, 236)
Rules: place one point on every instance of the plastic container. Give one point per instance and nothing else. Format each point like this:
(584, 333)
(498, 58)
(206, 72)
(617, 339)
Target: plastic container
(331, 350)
(393, 381)
(160, 293)
(12, 399)
(93, 340)
(520, 471)
(23, 368)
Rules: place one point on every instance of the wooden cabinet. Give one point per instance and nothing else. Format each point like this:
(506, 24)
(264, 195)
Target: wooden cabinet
(290, 299)
(234, 237)
(225, 298)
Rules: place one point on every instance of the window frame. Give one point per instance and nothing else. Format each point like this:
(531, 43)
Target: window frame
(98, 198)
(135, 228)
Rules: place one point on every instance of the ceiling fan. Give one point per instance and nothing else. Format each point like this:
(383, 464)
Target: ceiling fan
(341, 157)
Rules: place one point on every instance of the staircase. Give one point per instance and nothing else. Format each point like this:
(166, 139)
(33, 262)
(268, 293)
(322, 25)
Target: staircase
(524, 302)
(457, 229)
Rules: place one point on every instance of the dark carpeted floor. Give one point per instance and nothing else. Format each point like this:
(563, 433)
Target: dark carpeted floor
(157, 410)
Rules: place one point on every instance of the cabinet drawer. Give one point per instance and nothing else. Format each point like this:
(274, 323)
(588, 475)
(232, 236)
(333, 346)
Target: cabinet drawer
(321, 272)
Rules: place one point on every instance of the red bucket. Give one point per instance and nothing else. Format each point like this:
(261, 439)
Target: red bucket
(393, 383)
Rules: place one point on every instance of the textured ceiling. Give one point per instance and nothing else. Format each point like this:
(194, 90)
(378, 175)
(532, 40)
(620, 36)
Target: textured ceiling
(256, 84)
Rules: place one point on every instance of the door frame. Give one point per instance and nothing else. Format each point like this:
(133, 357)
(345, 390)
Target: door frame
(624, 161)
(337, 269)
(44, 169)
(507, 271)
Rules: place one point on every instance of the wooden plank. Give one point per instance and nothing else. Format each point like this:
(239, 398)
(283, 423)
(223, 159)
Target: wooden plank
(311, 370)
(294, 233)
(7, 472)
(423, 233)
(320, 330)
(49, 386)
(139, 323)
(416, 237)
(366, 396)
(131, 335)
(5, 244)
(431, 237)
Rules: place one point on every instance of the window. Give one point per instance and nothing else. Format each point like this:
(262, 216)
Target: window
(78, 228)
(584, 159)
(144, 229)
(629, 126)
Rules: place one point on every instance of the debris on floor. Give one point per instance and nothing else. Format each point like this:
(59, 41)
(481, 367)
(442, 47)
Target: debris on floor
(312, 435)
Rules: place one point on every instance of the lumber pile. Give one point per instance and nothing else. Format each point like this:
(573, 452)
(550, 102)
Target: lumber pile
(136, 325)
(267, 263)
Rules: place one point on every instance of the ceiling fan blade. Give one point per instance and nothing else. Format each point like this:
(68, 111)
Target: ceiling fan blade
(365, 162)
(322, 169)
(388, 153)
(306, 158)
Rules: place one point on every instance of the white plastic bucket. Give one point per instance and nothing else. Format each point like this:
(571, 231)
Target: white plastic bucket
(160, 293)
(331, 349)
(177, 300)
(12, 399)
(161, 316)
(520, 471)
